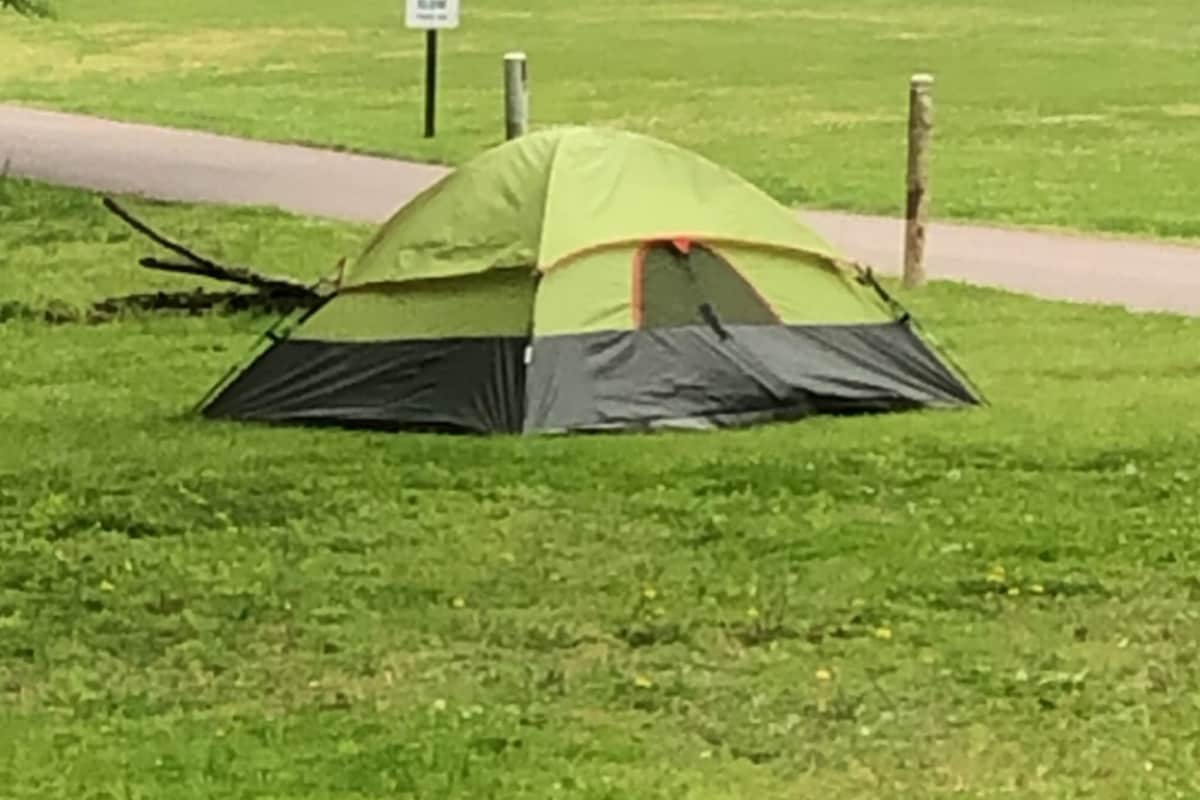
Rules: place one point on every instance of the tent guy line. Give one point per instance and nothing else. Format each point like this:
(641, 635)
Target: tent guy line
(183, 165)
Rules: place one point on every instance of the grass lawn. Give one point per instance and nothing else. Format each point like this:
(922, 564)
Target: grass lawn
(1049, 113)
(1001, 602)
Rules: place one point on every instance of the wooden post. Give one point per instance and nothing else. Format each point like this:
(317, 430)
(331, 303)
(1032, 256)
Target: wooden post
(516, 95)
(920, 129)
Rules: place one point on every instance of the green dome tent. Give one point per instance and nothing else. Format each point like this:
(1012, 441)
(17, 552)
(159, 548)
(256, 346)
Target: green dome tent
(583, 279)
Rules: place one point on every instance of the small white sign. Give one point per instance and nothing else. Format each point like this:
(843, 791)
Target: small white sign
(433, 14)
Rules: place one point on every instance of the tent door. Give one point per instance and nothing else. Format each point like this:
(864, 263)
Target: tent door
(696, 287)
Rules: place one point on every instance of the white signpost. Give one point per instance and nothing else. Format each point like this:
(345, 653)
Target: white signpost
(431, 16)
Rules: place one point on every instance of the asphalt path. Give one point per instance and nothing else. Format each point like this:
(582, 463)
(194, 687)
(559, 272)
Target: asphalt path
(173, 164)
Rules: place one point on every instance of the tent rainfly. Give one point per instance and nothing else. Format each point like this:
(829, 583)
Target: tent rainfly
(583, 279)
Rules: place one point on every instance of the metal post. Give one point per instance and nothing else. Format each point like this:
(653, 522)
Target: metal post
(431, 58)
(920, 128)
(516, 95)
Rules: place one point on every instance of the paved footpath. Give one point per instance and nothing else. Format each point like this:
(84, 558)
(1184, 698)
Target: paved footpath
(170, 164)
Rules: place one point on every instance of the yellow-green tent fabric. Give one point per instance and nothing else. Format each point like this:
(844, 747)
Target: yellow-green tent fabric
(591, 279)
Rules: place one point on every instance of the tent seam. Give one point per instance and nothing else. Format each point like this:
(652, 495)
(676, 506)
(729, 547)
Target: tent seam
(840, 264)
(558, 143)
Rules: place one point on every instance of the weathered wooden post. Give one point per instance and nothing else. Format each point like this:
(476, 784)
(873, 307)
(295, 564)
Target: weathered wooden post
(920, 129)
(516, 95)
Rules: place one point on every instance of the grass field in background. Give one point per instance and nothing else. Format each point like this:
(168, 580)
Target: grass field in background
(1000, 602)
(1048, 113)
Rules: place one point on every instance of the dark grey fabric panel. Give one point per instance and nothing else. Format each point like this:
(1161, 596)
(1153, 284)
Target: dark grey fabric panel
(858, 364)
(629, 378)
(469, 384)
(692, 377)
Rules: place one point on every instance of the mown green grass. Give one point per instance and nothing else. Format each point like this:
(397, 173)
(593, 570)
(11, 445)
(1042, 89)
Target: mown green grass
(1048, 113)
(998, 602)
